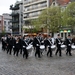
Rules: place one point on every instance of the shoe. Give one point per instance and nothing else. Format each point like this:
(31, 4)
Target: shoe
(60, 55)
(70, 55)
(51, 56)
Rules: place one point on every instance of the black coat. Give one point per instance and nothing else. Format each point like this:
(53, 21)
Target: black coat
(68, 42)
(58, 42)
(37, 42)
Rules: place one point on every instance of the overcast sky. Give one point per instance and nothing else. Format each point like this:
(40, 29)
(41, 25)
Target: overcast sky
(5, 5)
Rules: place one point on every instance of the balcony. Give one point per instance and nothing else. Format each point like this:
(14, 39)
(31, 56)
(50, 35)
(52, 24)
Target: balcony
(27, 3)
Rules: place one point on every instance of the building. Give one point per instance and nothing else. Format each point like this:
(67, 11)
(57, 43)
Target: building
(1, 24)
(17, 17)
(64, 31)
(32, 9)
(7, 24)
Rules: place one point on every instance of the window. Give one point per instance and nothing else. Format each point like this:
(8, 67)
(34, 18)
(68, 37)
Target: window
(4, 22)
(8, 22)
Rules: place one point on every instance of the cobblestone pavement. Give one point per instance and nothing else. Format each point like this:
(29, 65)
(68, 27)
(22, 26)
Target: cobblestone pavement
(12, 65)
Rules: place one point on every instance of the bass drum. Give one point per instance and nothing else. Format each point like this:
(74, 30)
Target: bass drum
(53, 47)
(63, 47)
(73, 47)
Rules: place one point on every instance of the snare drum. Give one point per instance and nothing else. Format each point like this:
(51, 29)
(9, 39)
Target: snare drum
(29, 47)
(73, 47)
(42, 47)
(63, 46)
(53, 47)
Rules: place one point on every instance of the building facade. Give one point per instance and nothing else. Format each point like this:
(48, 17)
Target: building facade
(17, 17)
(7, 24)
(32, 8)
(1, 24)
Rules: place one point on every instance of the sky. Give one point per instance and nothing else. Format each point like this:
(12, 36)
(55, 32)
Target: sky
(5, 5)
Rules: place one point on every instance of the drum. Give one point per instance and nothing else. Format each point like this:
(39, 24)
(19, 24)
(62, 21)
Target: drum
(29, 47)
(63, 47)
(73, 47)
(53, 47)
(42, 47)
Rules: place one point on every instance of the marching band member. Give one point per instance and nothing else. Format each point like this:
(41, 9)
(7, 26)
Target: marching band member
(68, 43)
(3, 39)
(37, 42)
(25, 44)
(17, 46)
(20, 41)
(58, 43)
(9, 44)
(49, 44)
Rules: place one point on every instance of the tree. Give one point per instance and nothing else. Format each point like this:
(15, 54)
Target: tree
(50, 18)
(69, 15)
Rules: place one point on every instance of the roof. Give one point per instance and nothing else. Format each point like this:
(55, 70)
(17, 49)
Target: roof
(60, 2)
(63, 2)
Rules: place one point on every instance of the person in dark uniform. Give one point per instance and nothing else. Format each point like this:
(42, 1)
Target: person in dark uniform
(14, 42)
(25, 44)
(17, 46)
(3, 43)
(68, 43)
(58, 43)
(20, 41)
(9, 44)
(37, 43)
(49, 44)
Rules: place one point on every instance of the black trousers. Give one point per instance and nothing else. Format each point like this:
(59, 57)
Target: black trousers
(37, 51)
(20, 50)
(3, 47)
(25, 53)
(9, 49)
(68, 50)
(16, 51)
(58, 51)
(49, 51)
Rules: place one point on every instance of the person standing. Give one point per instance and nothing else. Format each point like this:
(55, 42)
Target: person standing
(58, 43)
(20, 42)
(37, 45)
(25, 44)
(17, 46)
(49, 44)
(68, 43)
(9, 44)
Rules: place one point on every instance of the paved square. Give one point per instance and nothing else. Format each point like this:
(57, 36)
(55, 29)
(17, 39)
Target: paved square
(12, 65)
